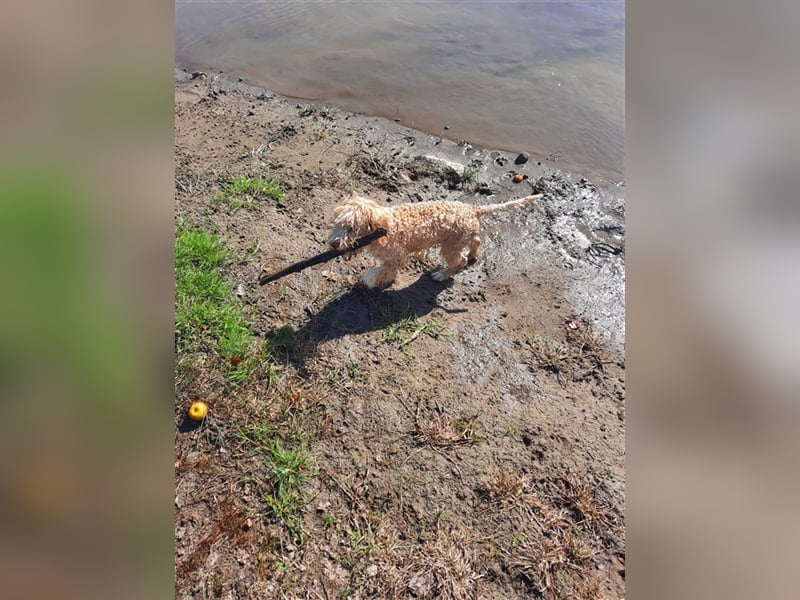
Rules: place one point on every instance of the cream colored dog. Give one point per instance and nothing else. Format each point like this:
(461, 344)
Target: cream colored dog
(411, 228)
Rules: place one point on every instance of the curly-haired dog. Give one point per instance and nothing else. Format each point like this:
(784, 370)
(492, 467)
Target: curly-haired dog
(411, 228)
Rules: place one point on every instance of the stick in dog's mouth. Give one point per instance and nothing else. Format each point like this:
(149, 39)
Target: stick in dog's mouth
(320, 258)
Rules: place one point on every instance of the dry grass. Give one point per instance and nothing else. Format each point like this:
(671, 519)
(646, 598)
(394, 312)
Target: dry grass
(580, 497)
(588, 347)
(565, 553)
(549, 354)
(593, 589)
(557, 555)
(444, 567)
(375, 166)
(583, 354)
(582, 335)
(508, 487)
(231, 523)
(518, 491)
(442, 430)
(386, 557)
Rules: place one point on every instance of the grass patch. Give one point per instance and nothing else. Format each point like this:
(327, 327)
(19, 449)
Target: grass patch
(441, 430)
(320, 110)
(549, 355)
(469, 176)
(508, 487)
(291, 469)
(206, 319)
(563, 559)
(362, 544)
(288, 468)
(282, 339)
(465, 180)
(581, 499)
(355, 370)
(246, 191)
(446, 566)
(396, 327)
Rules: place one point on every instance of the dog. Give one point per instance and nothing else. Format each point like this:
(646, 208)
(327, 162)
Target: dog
(412, 228)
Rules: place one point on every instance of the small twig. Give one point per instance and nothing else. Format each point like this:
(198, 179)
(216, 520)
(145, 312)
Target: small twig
(411, 338)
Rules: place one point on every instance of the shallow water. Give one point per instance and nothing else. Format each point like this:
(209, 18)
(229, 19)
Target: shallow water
(544, 77)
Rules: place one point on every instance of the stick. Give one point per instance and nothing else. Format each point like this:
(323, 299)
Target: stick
(320, 258)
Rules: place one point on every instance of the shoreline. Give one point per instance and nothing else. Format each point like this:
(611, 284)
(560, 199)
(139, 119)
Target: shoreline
(550, 160)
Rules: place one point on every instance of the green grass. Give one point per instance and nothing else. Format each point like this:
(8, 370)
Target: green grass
(469, 176)
(260, 435)
(283, 338)
(550, 354)
(467, 179)
(407, 329)
(291, 469)
(206, 317)
(355, 371)
(246, 190)
(362, 544)
(511, 431)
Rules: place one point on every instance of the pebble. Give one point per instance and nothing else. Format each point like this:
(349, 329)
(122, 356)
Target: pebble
(522, 158)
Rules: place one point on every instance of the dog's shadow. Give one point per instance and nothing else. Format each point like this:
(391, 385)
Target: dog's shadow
(358, 310)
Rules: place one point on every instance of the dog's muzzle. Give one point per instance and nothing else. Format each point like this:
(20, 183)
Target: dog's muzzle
(338, 238)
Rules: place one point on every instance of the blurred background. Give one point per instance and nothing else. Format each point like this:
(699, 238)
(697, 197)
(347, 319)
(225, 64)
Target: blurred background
(86, 359)
(713, 284)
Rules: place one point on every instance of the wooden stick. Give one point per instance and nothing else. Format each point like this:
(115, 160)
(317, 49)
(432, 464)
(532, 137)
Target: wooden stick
(320, 258)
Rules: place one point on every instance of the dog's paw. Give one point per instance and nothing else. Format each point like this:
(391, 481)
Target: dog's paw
(369, 280)
(377, 279)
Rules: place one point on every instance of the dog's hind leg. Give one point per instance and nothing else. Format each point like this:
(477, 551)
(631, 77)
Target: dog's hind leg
(455, 259)
(473, 246)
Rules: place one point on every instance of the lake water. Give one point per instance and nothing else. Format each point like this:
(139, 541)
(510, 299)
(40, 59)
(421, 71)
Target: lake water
(543, 77)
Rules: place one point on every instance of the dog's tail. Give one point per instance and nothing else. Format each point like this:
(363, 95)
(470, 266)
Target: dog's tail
(492, 208)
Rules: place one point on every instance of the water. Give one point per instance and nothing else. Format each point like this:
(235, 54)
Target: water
(544, 77)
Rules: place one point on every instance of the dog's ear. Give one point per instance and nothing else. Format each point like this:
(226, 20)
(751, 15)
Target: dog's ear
(366, 217)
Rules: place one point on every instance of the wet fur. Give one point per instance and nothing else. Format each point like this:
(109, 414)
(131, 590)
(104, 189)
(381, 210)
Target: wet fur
(412, 228)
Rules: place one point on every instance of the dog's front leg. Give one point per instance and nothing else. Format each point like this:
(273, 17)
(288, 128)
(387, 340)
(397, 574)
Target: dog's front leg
(380, 277)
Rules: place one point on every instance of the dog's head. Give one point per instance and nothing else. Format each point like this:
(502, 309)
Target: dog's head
(354, 218)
